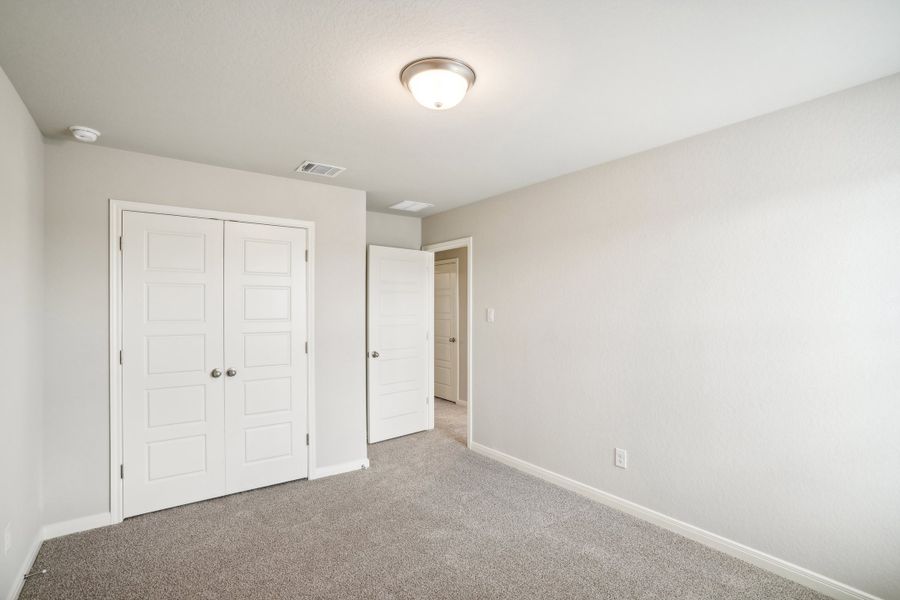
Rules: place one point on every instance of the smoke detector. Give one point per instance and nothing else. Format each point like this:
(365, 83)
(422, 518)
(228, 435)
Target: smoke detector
(313, 168)
(84, 134)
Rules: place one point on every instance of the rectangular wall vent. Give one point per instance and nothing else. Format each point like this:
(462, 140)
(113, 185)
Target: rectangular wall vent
(312, 168)
(409, 205)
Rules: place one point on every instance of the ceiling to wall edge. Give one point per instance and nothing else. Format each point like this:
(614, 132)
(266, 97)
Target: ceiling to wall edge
(55, 138)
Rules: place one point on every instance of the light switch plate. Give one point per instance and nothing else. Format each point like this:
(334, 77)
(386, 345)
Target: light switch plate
(621, 458)
(489, 315)
(7, 538)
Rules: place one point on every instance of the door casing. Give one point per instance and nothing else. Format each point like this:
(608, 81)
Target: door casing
(469, 244)
(116, 207)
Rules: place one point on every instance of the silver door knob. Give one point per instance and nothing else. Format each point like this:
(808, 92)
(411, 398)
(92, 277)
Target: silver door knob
(216, 373)
(452, 340)
(375, 354)
(231, 372)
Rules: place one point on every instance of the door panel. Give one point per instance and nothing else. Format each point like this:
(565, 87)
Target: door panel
(172, 408)
(399, 323)
(200, 295)
(446, 330)
(266, 334)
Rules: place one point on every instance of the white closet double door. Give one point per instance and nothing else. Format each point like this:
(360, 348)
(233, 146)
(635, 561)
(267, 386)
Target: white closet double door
(214, 365)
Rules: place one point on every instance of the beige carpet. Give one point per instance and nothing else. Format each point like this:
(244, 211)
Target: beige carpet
(429, 519)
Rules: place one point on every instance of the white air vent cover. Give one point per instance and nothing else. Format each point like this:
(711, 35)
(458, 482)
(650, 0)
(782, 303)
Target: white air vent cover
(411, 206)
(313, 168)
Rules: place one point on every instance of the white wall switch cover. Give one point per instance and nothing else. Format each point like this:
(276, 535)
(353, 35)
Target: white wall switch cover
(621, 458)
(489, 315)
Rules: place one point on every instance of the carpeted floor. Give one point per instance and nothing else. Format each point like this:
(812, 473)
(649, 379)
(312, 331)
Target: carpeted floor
(429, 519)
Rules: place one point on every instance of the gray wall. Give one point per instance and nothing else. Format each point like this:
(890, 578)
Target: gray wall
(462, 338)
(727, 309)
(398, 231)
(21, 330)
(80, 180)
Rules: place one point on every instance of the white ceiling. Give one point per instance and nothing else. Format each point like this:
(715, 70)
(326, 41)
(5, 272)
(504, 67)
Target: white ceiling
(263, 85)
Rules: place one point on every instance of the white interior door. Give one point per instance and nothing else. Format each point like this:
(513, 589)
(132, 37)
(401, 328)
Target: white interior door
(446, 330)
(172, 402)
(400, 302)
(214, 369)
(265, 355)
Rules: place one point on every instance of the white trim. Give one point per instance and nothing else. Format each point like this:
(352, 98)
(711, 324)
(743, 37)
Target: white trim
(467, 243)
(801, 575)
(429, 341)
(203, 213)
(115, 374)
(54, 530)
(353, 465)
(116, 207)
(18, 580)
(311, 350)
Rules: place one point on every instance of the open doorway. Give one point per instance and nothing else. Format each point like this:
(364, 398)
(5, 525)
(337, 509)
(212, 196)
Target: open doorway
(452, 338)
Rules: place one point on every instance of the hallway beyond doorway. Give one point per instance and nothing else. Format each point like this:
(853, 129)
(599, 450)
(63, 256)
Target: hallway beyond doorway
(451, 419)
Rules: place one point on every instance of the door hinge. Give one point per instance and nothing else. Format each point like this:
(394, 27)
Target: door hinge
(307, 439)
(121, 471)
(306, 255)
(120, 357)
(306, 347)
(120, 243)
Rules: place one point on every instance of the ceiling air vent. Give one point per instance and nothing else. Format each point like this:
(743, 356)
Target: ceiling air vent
(323, 170)
(409, 205)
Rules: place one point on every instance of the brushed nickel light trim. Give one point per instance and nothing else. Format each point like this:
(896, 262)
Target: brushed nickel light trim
(437, 63)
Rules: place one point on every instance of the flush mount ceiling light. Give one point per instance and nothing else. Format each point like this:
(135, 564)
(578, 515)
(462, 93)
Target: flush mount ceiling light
(438, 83)
(84, 134)
(410, 206)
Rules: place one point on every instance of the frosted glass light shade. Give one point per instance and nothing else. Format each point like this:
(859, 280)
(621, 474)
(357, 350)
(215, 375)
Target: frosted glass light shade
(438, 83)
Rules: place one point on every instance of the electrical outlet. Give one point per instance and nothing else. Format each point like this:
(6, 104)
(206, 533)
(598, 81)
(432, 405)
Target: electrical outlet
(7, 538)
(621, 458)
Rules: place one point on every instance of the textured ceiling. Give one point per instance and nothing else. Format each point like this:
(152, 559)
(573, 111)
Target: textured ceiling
(263, 85)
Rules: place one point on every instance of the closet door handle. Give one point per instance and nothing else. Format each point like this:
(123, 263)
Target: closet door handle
(231, 372)
(216, 373)
(375, 354)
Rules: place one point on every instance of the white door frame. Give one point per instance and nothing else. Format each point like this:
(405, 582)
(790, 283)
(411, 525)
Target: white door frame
(116, 207)
(451, 261)
(466, 243)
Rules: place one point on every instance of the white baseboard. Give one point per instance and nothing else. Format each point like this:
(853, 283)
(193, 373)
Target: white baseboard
(353, 465)
(19, 578)
(54, 530)
(810, 579)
